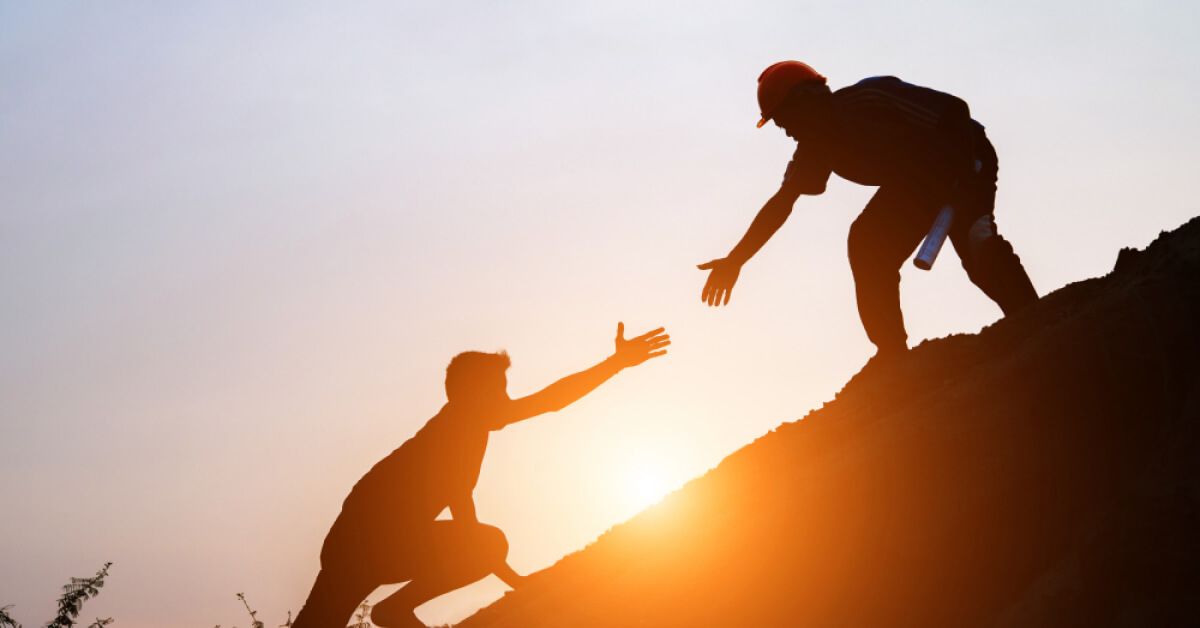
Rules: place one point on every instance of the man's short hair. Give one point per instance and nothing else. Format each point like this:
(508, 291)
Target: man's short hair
(469, 367)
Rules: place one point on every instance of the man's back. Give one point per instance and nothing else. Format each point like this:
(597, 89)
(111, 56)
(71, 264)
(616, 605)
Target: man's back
(895, 131)
(414, 482)
(886, 131)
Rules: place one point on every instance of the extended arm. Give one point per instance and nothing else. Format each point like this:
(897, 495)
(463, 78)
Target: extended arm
(770, 218)
(565, 391)
(571, 388)
(724, 275)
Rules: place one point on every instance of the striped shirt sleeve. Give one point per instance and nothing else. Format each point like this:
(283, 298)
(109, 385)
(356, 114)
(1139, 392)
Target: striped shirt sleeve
(807, 173)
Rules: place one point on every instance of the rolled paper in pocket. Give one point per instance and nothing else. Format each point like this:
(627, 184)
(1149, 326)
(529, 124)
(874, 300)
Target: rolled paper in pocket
(934, 240)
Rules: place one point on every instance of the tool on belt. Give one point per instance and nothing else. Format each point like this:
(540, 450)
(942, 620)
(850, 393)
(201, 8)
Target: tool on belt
(936, 237)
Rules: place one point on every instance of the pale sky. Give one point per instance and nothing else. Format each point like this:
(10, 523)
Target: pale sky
(239, 243)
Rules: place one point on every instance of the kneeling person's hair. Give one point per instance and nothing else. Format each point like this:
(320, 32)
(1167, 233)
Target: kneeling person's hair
(472, 371)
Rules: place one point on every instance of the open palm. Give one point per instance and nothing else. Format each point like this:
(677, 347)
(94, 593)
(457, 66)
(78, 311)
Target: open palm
(723, 274)
(634, 351)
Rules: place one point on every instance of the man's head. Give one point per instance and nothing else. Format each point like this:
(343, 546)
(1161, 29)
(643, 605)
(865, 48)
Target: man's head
(787, 92)
(477, 378)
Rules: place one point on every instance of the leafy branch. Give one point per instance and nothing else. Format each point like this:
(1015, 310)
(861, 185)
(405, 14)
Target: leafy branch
(75, 593)
(6, 620)
(364, 611)
(253, 613)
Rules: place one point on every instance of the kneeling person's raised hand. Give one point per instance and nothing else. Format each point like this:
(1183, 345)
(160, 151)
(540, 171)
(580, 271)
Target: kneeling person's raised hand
(634, 351)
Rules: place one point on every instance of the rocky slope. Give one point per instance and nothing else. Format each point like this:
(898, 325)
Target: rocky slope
(1044, 472)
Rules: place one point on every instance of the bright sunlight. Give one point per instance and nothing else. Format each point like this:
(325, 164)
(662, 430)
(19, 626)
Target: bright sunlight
(643, 482)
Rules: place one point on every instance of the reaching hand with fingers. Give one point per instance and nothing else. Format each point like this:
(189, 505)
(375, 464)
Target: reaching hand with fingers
(634, 351)
(721, 278)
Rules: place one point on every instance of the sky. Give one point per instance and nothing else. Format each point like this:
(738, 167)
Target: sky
(240, 242)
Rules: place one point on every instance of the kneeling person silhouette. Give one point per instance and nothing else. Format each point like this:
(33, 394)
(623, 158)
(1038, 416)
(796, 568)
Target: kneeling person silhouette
(387, 531)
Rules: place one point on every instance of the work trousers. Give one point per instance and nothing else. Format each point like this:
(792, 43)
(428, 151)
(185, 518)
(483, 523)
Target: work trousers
(441, 555)
(894, 223)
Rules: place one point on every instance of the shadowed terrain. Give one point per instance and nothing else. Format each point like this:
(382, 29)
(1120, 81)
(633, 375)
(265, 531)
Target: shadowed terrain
(1044, 472)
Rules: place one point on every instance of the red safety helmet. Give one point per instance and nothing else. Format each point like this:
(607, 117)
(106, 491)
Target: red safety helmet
(777, 81)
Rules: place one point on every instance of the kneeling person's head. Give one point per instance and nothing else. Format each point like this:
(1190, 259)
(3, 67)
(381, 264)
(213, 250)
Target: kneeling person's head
(475, 378)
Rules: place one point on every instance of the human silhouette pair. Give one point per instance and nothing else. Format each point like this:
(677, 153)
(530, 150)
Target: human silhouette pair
(388, 530)
(920, 146)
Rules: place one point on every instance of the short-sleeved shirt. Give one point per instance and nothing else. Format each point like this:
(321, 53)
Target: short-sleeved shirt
(885, 131)
(418, 480)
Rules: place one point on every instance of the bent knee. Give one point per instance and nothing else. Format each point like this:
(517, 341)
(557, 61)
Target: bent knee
(492, 541)
(985, 246)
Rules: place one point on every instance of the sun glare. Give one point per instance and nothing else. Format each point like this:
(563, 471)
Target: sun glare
(644, 484)
(649, 487)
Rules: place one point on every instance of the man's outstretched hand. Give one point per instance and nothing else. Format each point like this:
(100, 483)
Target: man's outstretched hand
(571, 388)
(719, 287)
(634, 351)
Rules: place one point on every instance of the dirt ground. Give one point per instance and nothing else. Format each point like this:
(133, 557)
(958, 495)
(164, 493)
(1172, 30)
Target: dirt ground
(1044, 472)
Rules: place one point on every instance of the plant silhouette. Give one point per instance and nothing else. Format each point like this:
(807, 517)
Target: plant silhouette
(6, 620)
(254, 621)
(75, 593)
(70, 603)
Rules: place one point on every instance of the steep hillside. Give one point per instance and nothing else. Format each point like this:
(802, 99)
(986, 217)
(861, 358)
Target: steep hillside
(1044, 472)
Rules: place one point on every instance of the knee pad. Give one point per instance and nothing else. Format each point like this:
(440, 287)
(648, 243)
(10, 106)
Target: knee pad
(984, 246)
(980, 232)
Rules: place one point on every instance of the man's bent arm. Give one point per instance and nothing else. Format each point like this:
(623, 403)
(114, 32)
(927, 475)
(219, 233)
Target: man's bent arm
(462, 508)
(770, 218)
(723, 275)
(509, 576)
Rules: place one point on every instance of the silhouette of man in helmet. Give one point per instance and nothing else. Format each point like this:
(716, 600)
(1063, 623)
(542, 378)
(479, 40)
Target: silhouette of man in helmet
(923, 150)
(388, 530)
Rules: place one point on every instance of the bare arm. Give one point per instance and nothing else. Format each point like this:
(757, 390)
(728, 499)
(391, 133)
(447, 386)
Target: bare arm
(462, 508)
(719, 286)
(770, 218)
(571, 388)
(564, 392)
(509, 576)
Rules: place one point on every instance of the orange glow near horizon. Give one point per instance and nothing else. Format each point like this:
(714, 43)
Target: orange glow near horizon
(238, 249)
(644, 483)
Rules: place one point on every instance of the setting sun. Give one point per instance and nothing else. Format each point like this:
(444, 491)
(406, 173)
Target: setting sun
(402, 307)
(642, 483)
(648, 486)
